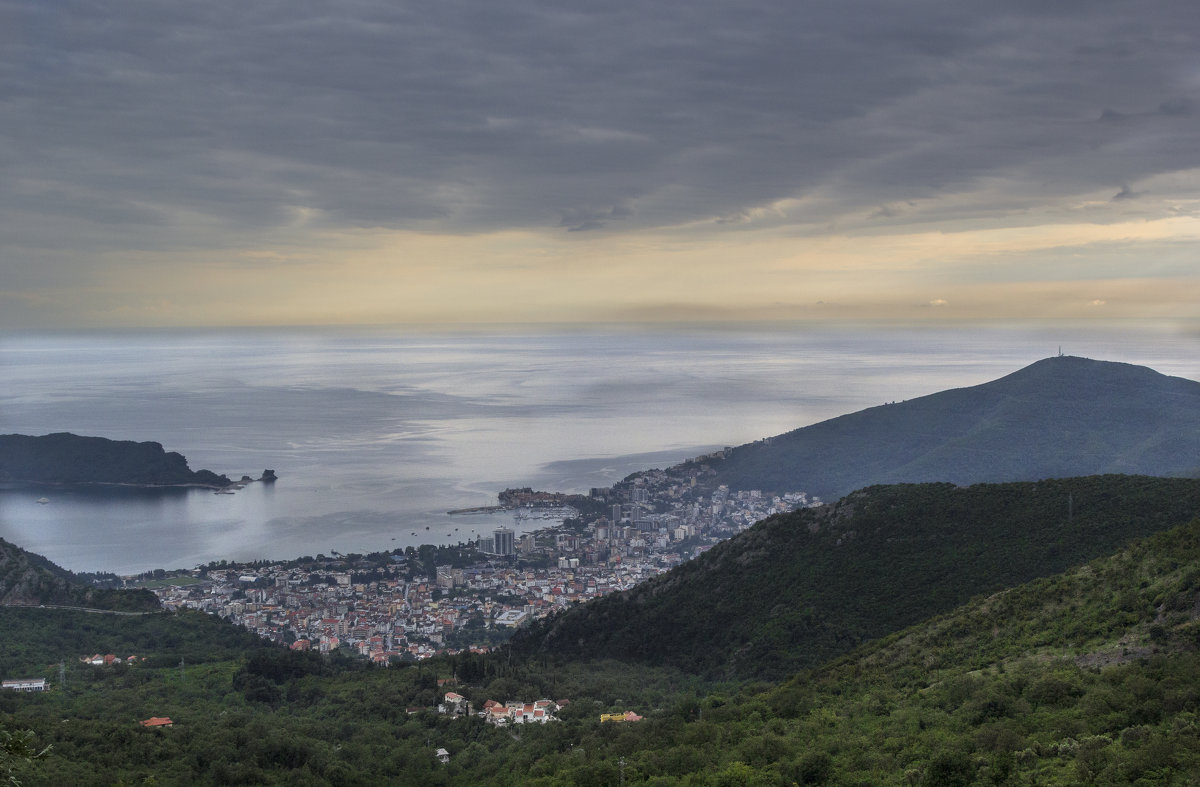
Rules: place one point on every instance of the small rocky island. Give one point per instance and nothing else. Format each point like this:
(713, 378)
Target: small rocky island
(65, 458)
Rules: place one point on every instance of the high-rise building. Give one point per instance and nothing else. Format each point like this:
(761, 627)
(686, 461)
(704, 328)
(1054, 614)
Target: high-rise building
(503, 539)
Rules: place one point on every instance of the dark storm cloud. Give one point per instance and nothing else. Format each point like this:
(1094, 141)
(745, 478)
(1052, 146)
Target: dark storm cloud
(149, 125)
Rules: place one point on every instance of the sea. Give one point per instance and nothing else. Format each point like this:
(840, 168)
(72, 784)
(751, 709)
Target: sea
(375, 434)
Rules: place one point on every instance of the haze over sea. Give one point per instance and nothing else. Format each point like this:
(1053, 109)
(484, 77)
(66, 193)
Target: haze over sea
(375, 434)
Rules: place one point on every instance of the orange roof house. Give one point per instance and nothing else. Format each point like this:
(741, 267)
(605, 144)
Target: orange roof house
(158, 721)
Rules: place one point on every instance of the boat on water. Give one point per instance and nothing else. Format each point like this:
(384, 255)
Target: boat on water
(43, 500)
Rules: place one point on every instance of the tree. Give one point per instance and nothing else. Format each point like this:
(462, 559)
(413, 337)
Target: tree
(17, 748)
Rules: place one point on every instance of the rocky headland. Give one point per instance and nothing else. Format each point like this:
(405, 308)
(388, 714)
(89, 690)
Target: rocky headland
(65, 458)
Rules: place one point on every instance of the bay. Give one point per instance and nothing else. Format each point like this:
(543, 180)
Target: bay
(376, 434)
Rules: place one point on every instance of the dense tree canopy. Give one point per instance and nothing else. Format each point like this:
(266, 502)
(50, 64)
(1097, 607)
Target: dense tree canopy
(1086, 677)
(798, 589)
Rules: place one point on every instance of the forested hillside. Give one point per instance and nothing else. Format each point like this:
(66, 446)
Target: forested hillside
(1088, 677)
(28, 578)
(38, 638)
(798, 589)
(65, 458)
(1057, 418)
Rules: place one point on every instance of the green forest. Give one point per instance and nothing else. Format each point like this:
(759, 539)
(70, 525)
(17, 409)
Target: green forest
(801, 588)
(29, 578)
(65, 458)
(1087, 676)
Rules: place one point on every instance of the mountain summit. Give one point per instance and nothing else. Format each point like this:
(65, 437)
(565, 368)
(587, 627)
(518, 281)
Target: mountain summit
(1057, 418)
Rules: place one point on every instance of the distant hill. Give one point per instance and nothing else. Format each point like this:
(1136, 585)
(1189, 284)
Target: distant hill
(27, 578)
(800, 588)
(65, 458)
(1057, 418)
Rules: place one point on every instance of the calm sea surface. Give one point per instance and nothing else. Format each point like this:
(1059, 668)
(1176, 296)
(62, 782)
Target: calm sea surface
(375, 435)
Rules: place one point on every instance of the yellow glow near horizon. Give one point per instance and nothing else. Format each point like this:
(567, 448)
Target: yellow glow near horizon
(523, 276)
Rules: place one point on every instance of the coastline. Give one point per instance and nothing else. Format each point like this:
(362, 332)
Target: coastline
(478, 510)
(20, 484)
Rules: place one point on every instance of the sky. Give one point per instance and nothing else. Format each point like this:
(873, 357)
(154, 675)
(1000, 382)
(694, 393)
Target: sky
(389, 161)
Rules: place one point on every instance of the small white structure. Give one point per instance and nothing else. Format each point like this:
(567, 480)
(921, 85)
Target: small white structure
(443, 756)
(455, 704)
(25, 684)
(511, 617)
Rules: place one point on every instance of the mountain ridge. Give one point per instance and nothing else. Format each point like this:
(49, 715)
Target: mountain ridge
(1058, 417)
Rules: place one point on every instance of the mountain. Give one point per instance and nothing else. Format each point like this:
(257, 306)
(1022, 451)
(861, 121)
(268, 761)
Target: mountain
(798, 589)
(27, 578)
(1057, 418)
(65, 458)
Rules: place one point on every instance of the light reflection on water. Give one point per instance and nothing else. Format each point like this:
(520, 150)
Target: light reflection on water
(375, 436)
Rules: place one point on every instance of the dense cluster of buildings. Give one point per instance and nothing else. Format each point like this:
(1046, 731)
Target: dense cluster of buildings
(404, 608)
(389, 616)
(501, 714)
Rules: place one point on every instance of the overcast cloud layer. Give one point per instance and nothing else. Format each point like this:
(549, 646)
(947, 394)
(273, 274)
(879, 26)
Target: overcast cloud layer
(149, 128)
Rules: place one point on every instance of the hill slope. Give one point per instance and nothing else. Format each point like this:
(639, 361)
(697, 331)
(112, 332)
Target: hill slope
(1057, 418)
(27, 578)
(1088, 677)
(1085, 677)
(798, 589)
(65, 458)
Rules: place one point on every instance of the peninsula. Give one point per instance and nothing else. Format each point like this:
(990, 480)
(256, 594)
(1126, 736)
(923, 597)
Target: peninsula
(65, 458)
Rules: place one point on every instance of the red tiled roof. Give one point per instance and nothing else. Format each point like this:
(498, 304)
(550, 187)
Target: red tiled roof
(158, 721)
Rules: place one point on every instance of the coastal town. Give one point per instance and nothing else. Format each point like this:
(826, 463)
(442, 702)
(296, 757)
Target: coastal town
(415, 603)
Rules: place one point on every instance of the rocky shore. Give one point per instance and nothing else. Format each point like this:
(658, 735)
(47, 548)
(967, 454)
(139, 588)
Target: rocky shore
(63, 459)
